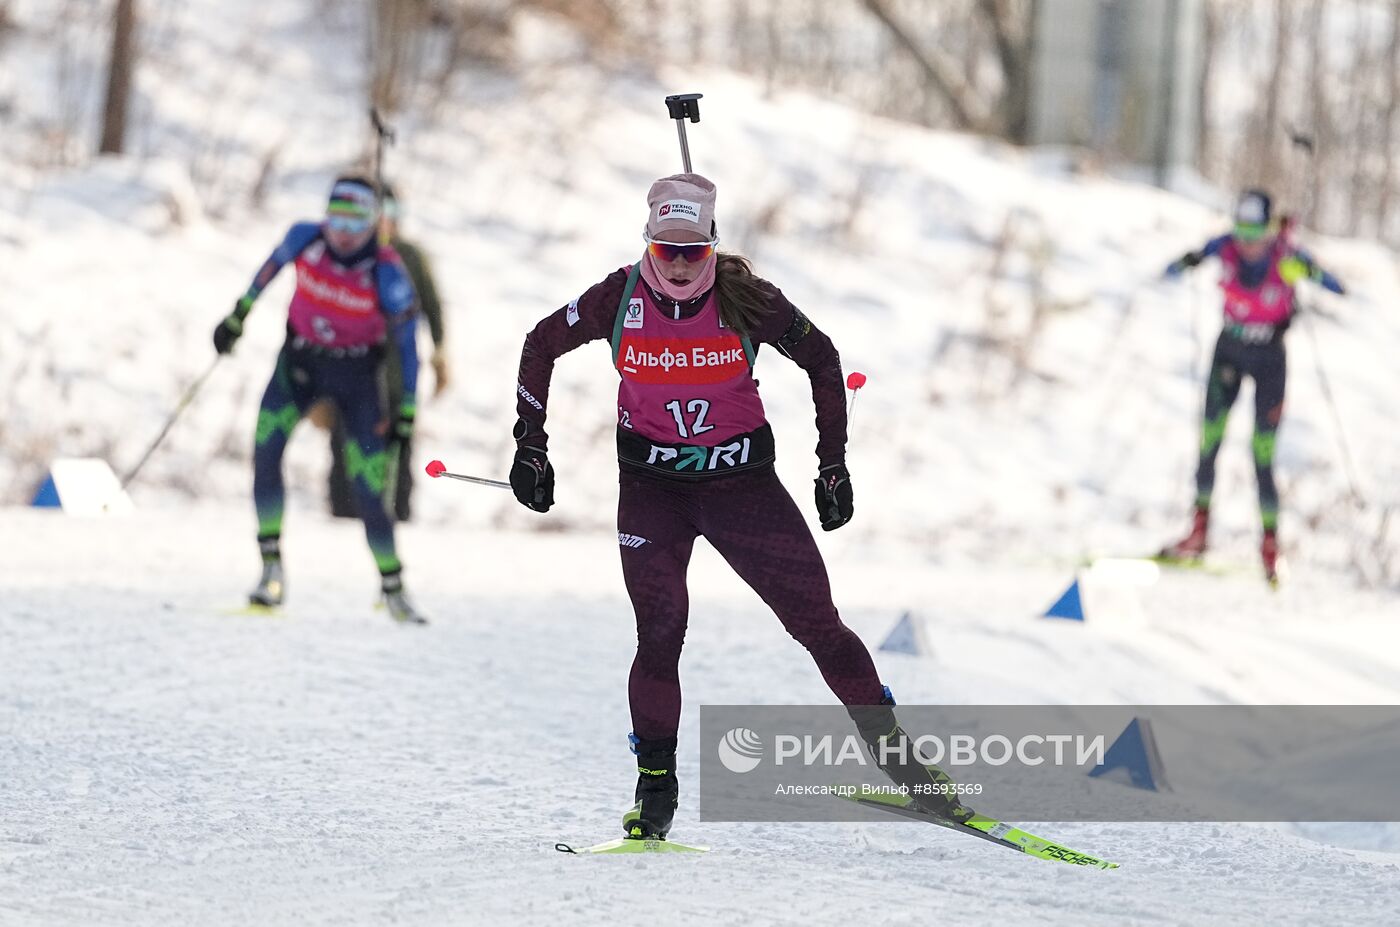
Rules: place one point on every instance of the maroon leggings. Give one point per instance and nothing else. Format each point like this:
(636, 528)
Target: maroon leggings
(754, 524)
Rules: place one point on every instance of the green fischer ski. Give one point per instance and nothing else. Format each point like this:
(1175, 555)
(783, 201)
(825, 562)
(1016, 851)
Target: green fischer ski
(1198, 565)
(986, 828)
(632, 845)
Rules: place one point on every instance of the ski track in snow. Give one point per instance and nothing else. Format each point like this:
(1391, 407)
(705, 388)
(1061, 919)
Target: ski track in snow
(168, 762)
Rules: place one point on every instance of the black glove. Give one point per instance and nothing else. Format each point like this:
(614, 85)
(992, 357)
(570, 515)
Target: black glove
(231, 327)
(532, 478)
(835, 504)
(226, 335)
(1182, 264)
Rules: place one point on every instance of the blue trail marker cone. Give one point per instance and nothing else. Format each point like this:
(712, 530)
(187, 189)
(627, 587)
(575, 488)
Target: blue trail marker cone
(82, 486)
(1069, 605)
(1133, 759)
(904, 637)
(47, 496)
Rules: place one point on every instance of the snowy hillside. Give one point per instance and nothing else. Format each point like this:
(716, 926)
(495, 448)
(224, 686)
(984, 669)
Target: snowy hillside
(1033, 399)
(1045, 389)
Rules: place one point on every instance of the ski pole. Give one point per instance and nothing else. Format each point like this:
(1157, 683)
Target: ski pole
(436, 468)
(1303, 141)
(1195, 297)
(185, 400)
(383, 133)
(1348, 465)
(854, 381)
(683, 106)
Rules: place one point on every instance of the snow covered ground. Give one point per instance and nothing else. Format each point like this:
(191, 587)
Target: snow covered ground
(165, 761)
(168, 762)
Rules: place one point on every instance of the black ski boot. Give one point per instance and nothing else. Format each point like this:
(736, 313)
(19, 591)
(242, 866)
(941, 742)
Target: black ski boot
(401, 608)
(929, 787)
(271, 586)
(657, 789)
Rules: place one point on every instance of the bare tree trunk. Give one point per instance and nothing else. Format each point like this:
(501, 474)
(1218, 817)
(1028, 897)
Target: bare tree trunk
(773, 49)
(950, 87)
(973, 53)
(1361, 115)
(394, 51)
(119, 78)
(820, 25)
(1319, 116)
(1268, 143)
(1210, 48)
(1392, 105)
(1010, 24)
(742, 30)
(699, 30)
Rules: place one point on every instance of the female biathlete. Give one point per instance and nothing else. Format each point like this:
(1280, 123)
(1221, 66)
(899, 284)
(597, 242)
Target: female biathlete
(696, 457)
(1259, 269)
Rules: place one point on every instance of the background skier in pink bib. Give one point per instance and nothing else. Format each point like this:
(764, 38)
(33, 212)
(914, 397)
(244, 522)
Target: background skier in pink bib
(353, 303)
(696, 457)
(1259, 269)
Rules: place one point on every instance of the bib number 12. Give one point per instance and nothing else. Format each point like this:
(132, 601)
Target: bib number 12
(696, 407)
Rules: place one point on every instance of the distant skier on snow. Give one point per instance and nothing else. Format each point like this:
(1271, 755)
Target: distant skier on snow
(353, 297)
(1260, 268)
(420, 272)
(696, 456)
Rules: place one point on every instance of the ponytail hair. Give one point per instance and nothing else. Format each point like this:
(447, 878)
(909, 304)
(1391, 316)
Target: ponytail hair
(743, 299)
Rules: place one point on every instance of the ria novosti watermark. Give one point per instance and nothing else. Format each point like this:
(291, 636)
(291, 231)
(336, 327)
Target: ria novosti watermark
(741, 750)
(1034, 763)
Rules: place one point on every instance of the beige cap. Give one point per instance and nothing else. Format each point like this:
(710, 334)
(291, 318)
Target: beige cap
(681, 201)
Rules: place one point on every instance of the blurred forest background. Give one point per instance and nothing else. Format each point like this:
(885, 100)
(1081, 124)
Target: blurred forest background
(1298, 95)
